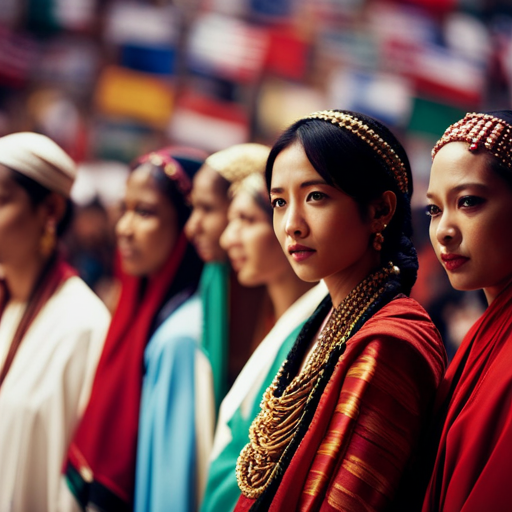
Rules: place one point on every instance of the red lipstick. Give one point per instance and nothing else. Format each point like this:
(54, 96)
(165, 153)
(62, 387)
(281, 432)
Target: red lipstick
(453, 261)
(300, 252)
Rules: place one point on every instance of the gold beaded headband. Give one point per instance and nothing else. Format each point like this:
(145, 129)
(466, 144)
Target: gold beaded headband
(372, 138)
(481, 130)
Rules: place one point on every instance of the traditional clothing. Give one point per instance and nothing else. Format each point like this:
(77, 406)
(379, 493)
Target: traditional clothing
(473, 465)
(49, 347)
(359, 439)
(45, 391)
(241, 404)
(214, 290)
(176, 417)
(138, 406)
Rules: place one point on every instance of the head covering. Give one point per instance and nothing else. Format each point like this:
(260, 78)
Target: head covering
(39, 158)
(179, 163)
(491, 131)
(238, 161)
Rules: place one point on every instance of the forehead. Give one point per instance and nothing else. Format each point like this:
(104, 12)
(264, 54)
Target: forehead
(141, 186)
(207, 185)
(292, 164)
(243, 202)
(454, 164)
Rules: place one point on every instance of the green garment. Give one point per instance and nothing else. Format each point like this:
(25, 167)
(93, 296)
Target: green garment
(222, 490)
(214, 292)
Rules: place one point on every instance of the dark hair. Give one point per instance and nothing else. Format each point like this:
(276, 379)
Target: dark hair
(346, 161)
(496, 165)
(37, 193)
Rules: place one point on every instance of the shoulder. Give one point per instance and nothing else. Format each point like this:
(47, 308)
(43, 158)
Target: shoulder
(78, 306)
(404, 325)
(185, 323)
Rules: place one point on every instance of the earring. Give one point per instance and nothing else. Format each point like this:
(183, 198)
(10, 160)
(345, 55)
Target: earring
(379, 239)
(48, 240)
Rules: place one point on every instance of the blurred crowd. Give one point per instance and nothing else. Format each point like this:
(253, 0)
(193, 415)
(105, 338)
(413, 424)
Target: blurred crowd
(109, 81)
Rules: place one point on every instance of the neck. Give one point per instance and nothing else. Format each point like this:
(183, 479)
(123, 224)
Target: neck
(285, 290)
(492, 292)
(21, 278)
(342, 283)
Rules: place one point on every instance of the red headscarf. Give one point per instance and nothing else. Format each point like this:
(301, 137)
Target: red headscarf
(102, 454)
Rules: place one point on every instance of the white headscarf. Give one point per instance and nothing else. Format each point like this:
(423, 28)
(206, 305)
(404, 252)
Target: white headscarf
(39, 158)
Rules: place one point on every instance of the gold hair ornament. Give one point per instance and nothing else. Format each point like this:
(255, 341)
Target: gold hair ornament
(372, 138)
(481, 130)
(276, 424)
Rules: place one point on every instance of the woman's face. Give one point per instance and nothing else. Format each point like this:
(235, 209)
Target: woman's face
(319, 227)
(209, 215)
(148, 228)
(21, 223)
(251, 244)
(471, 224)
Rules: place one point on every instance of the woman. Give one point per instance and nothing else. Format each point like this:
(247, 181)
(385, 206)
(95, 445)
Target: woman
(145, 437)
(257, 258)
(233, 315)
(52, 326)
(341, 419)
(470, 204)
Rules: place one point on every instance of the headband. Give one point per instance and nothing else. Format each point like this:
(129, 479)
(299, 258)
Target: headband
(238, 161)
(39, 158)
(171, 168)
(382, 148)
(481, 130)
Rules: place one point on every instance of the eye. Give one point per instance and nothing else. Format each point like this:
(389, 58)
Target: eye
(432, 210)
(278, 203)
(144, 212)
(316, 196)
(470, 201)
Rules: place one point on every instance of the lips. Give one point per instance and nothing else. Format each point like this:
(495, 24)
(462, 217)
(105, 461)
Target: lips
(453, 261)
(300, 252)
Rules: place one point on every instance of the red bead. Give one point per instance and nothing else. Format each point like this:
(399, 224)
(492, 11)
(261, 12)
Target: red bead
(473, 146)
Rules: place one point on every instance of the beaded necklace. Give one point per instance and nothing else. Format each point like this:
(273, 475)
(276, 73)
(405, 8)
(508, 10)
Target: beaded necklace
(273, 429)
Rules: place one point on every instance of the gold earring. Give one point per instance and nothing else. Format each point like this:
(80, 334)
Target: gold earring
(48, 240)
(379, 239)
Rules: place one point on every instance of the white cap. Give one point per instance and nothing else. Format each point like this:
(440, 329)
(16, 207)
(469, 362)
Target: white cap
(39, 158)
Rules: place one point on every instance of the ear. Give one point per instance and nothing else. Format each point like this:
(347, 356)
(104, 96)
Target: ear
(382, 210)
(53, 208)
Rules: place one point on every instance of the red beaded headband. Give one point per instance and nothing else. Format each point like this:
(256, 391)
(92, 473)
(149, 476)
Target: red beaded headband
(171, 168)
(372, 138)
(481, 130)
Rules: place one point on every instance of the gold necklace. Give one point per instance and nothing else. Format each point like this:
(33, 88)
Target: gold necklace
(274, 427)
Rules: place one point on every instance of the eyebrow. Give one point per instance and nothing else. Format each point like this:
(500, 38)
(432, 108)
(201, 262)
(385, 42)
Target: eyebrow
(280, 190)
(462, 186)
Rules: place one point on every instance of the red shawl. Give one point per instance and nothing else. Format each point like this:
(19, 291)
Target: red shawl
(474, 461)
(55, 273)
(369, 417)
(104, 447)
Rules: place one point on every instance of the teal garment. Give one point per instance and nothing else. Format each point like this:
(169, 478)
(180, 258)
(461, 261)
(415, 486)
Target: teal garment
(222, 490)
(165, 475)
(214, 291)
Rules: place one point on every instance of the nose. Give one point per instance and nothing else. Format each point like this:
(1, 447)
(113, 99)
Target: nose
(229, 236)
(192, 224)
(124, 226)
(295, 224)
(446, 230)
